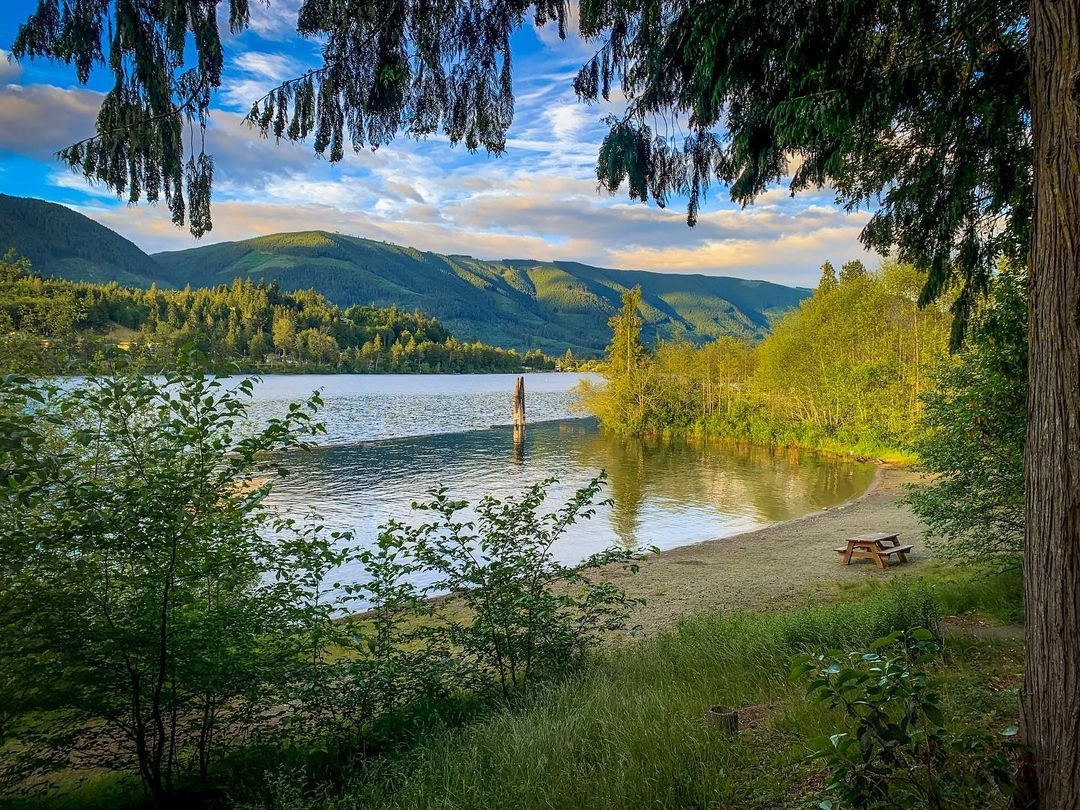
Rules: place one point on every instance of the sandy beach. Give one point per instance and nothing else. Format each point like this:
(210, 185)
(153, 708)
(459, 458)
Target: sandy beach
(779, 565)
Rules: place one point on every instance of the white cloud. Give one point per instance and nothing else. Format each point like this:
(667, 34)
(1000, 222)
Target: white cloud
(540, 223)
(76, 182)
(274, 66)
(10, 70)
(252, 74)
(275, 19)
(540, 200)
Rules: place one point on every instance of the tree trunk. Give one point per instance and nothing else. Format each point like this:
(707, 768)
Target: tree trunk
(1051, 702)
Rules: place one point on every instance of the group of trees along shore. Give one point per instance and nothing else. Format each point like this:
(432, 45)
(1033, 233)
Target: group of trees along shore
(957, 122)
(846, 370)
(54, 325)
(858, 368)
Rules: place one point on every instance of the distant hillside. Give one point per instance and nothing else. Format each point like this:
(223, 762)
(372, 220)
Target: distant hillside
(513, 302)
(63, 243)
(51, 326)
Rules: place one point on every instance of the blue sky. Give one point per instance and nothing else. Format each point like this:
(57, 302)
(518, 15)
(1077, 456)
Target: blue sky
(538, 200)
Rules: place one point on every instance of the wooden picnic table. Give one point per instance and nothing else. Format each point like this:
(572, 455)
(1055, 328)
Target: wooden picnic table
(876, 546)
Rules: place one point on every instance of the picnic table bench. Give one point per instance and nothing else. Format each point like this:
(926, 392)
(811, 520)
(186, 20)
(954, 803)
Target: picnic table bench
(876, 546)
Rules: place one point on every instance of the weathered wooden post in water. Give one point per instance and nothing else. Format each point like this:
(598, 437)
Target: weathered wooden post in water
(519, 420)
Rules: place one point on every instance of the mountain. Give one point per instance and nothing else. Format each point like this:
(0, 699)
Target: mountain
(63, 243)
(514, 303)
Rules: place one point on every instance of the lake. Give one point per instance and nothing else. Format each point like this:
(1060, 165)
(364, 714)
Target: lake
(391, 438)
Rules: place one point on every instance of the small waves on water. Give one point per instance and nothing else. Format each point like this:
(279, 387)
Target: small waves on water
(388, 406)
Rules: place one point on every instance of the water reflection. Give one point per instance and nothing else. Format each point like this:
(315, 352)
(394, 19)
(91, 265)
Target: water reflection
(666, 493)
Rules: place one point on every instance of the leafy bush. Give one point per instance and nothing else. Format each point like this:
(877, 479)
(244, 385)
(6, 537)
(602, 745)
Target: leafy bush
(157, 615)
(132, 572)
(628, 730)
(525, 612)
(841, 372)
(896, 751)
(973, 443)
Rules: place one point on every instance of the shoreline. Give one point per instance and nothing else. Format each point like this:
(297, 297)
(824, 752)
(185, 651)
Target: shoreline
(777, 566)
(753, 571)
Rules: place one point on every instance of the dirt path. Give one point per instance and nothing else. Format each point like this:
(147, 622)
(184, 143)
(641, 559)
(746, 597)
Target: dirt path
(778, 565)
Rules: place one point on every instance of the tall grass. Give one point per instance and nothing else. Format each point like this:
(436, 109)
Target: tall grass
(631, 731)
(990, 595)
(983, 593)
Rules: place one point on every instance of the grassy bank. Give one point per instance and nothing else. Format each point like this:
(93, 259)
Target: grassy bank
(630, 731)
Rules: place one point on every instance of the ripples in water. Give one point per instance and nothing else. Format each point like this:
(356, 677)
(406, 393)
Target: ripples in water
(666, 493)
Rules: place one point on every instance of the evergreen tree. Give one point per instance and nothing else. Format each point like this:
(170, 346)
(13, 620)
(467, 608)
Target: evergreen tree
(828, 278)
(624, 402)
(973, 447)
(284, 331)
(852, 270)
(229, 323)
(626, 352)
(259, 346)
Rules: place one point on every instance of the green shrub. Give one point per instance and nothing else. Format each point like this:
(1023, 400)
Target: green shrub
(895, 750)
(132, 574)
(525, 612)
(629, 730)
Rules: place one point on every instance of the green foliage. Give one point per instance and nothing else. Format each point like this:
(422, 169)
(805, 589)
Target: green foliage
(628, 370)
(630, 730)
(133, 559)
(518, 304)
(828, 278)
(353, 676)
(987, 594)
(896, 751)
(844, 371)
(973, 444)
(144, 146)
(937, 139)
(158, 618)
(527, 612)
(556, 304)
(61, 242)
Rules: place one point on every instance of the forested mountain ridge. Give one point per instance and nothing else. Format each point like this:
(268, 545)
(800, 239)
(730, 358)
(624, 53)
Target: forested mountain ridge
(512, 302)
(59, 326)
(515, 303)
(63, 243)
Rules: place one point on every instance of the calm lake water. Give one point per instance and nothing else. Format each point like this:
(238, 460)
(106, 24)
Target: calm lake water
(392, 438)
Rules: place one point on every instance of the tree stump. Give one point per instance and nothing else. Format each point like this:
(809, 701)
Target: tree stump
(723, 718)
(519, 402)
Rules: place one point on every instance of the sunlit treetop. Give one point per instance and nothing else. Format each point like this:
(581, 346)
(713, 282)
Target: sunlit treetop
(917, 111)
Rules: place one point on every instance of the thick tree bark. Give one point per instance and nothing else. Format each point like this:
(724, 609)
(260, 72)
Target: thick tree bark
(1051, 703)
